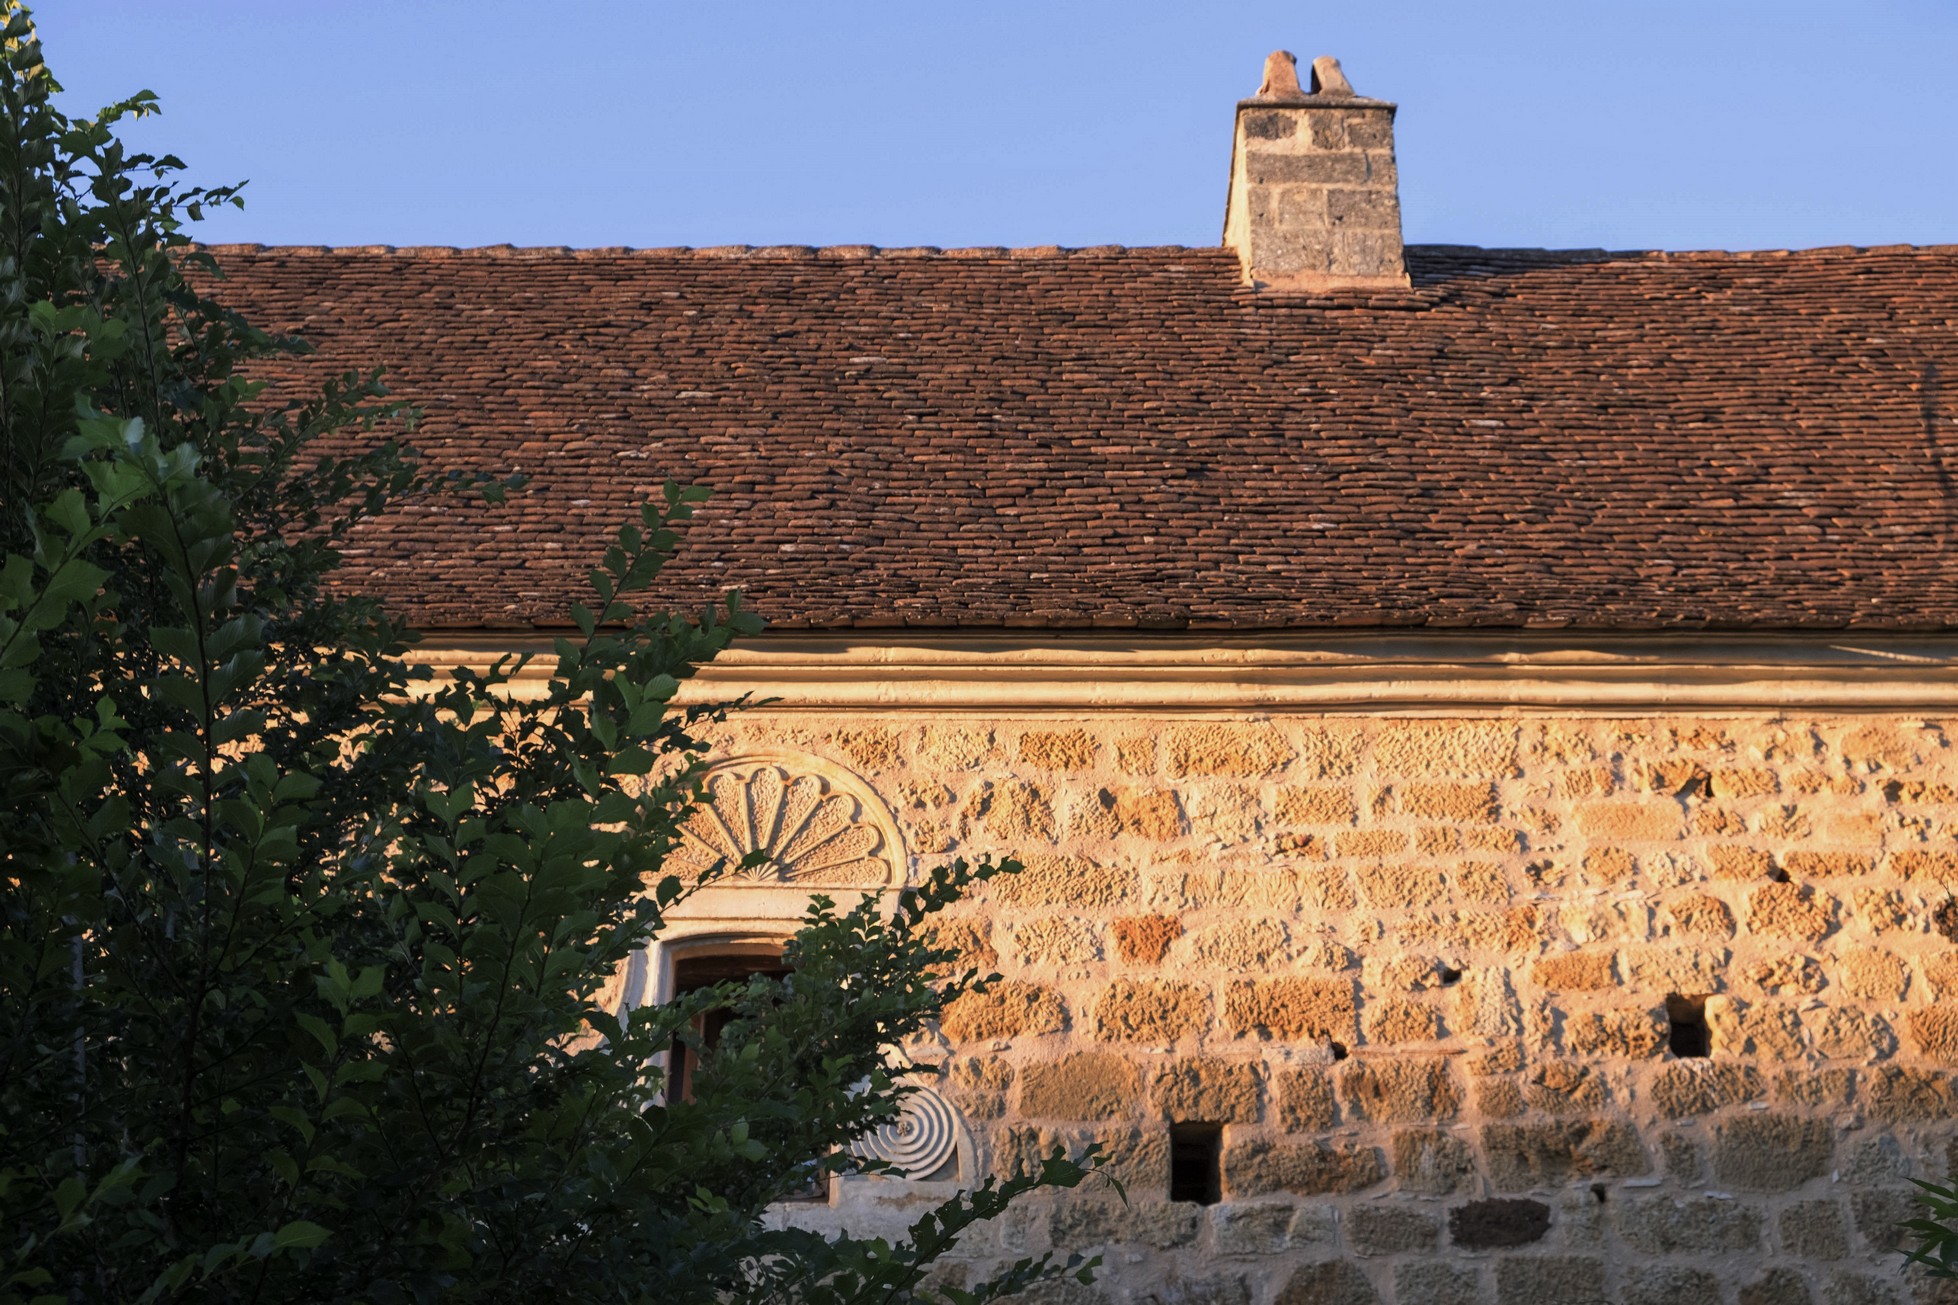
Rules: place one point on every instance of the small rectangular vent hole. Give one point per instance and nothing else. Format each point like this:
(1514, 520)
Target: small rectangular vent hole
(1196, 1163)
(1687, 1034)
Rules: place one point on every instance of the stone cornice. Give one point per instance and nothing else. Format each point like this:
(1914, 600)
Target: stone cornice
(1313, 674)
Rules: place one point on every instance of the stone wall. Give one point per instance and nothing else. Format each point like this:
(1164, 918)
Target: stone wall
(1419, 969)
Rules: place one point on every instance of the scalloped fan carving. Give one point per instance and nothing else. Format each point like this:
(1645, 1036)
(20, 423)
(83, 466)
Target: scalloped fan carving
(814, 832)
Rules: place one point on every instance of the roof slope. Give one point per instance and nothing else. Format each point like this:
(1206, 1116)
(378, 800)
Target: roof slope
(1127, 438)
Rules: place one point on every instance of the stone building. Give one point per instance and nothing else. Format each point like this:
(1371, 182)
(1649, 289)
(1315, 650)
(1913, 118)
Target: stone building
(1476, 721)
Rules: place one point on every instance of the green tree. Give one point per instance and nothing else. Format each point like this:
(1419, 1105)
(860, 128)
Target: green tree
(301, 944)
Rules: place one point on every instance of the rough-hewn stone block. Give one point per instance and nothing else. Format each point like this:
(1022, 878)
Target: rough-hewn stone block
(1305, 1100)
(1460, 803)
(1329, 1282)
(1671, 1284)
(1632, 1033)
(1257, 945)
(1550, 1280)
(1664, 1225)
(1498, 1223)
(1157, 1011)
(1811, 864)
(1400, 1091)
(1065, 881)
(1399, 884)
(1433, 1283)
(1057, 940)
(1776, 1287)
(1895, 1094)
(1144, 939)
(1790, 911)
(1484, 750)
(1525, 1156)
(1085, 1085)
(1431, 1162)
(1225, 749)
(1253, 1229)
(1318, 804)
(1575, 972)
(1934, 1033)
(1007, 1010)
(1308, 1168)
(1291, 1010)
(1699, 913)
(1699, 1087)
(1815, 1230)
(1058, 749)
(1771, 1152)
(1210, 1091)
(1396, 1020)
(1388, 1229)
(1632, 822)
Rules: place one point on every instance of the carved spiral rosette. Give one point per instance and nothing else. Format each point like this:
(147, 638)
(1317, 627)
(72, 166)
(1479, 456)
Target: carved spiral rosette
(812, 828)
(919, 1141)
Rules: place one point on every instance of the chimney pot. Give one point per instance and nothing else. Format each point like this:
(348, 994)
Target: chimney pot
(1314, 203)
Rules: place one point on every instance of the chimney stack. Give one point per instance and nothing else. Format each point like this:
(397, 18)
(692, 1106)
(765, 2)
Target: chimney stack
(1313, 200)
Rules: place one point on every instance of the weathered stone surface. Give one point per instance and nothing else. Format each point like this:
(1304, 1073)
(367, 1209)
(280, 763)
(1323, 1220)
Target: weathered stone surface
(1934, 1033)
(1550, 1280)
(1665, 1225)
(1209, 1091)
(1815, 1230)
(1330, 1282)
(1400, 1091)
(1575, 972)
(1567, 1087)
(1307, 1168)
(1065, 881)
(1154, 1011)
(1844, 1288)
(1431, 1283)
(1485, 750)
(1879, 1214)
(1498, 1223)
(1669, 1284)
(1897, 1094)
(1291, 1010)
(979, 1085)
(1851, 1035)
(1698, 1087)
(1251, 1229)
(1386, 1229)
(1771, 1152)
(1256, 945)
(1741, 1028)
(1790, 911)
(1315, 804)
(1431, 1162)
(1085, 1085)
(1629, 1034)
(1057, 940)
(1166, 1225)
(1212, 1289)
(1632, 822)
(1777, 1287)
(1145, 939)
(1872, 974)
(970, 938)
(1007, 1010)
(1391, 1020)
(1058, 749)
(1525, 1156)
(1699, 913)
(1305, 1101)
(1221, 749)
(1395, 884)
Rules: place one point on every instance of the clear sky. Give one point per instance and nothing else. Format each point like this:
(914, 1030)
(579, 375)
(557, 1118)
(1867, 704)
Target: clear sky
(1581, 123)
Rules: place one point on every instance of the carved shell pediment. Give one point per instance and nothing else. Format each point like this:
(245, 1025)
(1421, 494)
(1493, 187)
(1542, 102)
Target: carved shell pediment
(817, 826)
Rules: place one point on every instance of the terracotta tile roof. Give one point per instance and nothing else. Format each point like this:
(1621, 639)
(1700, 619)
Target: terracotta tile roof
(1126, 438)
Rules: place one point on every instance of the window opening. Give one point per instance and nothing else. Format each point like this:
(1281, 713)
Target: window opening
(1196, 1163)
(691, 974)
(1687, 1033)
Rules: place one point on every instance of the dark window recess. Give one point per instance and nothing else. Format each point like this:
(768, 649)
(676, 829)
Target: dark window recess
(1196, 1163)
(691, 974)
(1686, 1026)
(1450, 976)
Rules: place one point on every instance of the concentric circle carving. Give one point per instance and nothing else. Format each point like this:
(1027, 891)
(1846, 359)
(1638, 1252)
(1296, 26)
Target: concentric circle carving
(822, 830)
(919, 1141)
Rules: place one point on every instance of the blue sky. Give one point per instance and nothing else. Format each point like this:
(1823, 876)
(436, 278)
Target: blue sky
(1715, 124)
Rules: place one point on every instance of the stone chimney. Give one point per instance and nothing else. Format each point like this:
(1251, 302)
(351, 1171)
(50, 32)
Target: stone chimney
(1313, 202)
